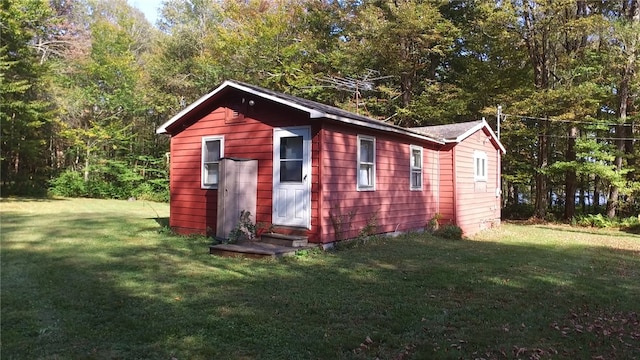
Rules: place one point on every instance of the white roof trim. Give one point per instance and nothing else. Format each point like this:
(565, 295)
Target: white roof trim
(163, 128)
(471, 131)
(312, 113)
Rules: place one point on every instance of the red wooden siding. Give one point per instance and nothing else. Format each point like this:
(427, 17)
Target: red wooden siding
(448, 184)
(194, 210)
(477, 206)
(393, 205)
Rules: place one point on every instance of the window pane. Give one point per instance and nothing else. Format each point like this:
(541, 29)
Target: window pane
(366, 151)
(291, 171)
(212, 151)
(365, 177)
(291, 147)
(416, 179)
(211, 174)
(416, 159)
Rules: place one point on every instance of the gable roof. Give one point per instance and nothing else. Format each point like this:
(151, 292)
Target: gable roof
(314, 109)
(440, 134)
(456, 133)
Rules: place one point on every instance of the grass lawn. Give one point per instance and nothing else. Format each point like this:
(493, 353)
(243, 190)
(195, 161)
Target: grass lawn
(100, 279)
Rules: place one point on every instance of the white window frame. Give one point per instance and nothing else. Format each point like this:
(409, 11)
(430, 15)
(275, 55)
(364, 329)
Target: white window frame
(372, 165)
(480, 165)
(203, 171)
(416, 170)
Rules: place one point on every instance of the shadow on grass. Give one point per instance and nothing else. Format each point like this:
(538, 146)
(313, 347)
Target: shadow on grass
(417, 295)
(634, 229)
(31, 199)
(593, 231)
(162, 221)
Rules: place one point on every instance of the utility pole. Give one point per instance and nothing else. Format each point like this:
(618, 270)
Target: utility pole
(498, 120)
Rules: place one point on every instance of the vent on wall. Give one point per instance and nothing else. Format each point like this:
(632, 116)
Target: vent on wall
(236, 110)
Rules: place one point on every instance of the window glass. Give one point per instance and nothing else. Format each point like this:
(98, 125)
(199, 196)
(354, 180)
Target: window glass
(416, 168)
(291, 147)
(480, 166)
(416, 156)
(366, 175)
(291, 171)
(291, 154)
(212, 152)
(211, 155)
(366, 151)
(211, 173)
(366, 163)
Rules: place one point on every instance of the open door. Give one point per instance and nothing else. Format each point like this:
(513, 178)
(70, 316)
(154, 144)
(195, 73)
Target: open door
(292, 177)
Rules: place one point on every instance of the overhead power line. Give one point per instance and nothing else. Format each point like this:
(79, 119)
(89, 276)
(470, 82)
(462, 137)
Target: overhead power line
(587, 137)
(551, 119)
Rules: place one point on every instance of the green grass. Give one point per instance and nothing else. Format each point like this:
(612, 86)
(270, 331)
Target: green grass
(100, 279)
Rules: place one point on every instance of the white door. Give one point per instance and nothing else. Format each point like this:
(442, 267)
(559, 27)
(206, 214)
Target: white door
(292, 177)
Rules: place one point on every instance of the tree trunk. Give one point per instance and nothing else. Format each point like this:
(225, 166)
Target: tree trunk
(595, 203)
(86, 165)
(570, 176)
(583, 203)
(614, 192)
(541, 178)
(629, 146)
(624, 92)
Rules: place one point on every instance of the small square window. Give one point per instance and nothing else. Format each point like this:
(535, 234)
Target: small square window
(366, 163)
(416, 168)
(212, 152)
(479, 166)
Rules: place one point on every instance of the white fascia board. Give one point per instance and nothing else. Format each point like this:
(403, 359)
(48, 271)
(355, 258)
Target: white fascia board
(163, 128)
(312, 112)
(471, 131)
(495, 137)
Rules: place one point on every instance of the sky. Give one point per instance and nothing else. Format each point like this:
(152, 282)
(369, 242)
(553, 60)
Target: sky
(148, 7)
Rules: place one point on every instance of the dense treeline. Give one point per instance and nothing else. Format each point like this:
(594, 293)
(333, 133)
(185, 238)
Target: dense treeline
(85, 83)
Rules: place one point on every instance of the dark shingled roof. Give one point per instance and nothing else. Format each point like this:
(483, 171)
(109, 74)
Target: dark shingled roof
(440, 134)
(332, 110)
(315, 110)
(449, 131)
(311, 104)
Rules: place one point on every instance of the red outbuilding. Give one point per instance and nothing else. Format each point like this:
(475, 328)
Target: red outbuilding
(310, 169)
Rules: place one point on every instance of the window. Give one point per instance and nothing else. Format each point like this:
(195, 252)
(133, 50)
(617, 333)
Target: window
(479, 166)
(291, 159)
(366, 163)
(416, 168)
(212, 152)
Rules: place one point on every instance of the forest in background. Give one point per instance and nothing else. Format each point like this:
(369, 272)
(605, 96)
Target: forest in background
(85, 83)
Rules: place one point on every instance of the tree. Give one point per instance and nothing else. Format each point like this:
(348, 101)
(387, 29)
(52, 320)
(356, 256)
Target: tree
(26, 115)
(628, 34)
(407, 40)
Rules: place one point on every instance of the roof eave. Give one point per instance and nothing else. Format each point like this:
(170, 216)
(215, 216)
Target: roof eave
(381, 127)
(480, 126)
(163, 128)
(313, 113)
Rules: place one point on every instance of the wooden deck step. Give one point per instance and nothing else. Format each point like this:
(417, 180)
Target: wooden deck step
(293, 241)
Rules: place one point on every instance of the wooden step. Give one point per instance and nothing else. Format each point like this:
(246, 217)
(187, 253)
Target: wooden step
(284, 240)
